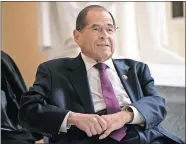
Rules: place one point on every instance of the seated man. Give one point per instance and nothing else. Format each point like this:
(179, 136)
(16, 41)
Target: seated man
(93, 98)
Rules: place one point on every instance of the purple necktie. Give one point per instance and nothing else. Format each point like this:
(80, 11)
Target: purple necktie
(110, 99)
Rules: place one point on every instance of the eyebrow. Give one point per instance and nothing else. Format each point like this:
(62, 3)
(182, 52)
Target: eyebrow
(97, 25)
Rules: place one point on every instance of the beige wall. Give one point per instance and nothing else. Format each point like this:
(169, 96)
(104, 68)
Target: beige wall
(20, 37)
(176, 31)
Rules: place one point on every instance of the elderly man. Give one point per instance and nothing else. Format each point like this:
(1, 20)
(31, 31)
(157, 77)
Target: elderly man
(93, 98)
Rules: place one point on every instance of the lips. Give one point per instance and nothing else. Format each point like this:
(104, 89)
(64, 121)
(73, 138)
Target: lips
(102, 45)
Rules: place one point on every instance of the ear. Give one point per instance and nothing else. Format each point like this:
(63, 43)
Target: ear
(76, 34)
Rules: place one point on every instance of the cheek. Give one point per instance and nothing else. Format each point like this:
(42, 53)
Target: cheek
(113, 43)
(90, 41)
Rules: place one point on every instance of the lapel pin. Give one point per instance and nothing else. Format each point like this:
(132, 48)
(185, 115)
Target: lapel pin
(124, 77)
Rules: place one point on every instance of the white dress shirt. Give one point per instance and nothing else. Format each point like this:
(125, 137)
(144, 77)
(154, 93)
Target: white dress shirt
(97, 97)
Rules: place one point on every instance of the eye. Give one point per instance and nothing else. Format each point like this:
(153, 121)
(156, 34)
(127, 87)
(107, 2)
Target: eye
(95, 28)
(110, 30)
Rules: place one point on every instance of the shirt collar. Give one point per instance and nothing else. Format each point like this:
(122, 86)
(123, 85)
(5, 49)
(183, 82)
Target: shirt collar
(89, 62)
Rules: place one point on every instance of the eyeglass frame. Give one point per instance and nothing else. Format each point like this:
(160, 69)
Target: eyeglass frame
(101, 28)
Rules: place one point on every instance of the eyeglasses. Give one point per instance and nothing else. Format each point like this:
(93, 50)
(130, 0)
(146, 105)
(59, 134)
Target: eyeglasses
(110, 29)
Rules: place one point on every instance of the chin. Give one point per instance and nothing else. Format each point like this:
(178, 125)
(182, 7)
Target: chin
(103, 58)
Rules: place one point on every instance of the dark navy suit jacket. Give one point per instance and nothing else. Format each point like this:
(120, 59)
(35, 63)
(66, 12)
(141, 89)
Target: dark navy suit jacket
(62, 85)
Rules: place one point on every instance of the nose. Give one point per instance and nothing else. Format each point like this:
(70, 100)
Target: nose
(104, 34)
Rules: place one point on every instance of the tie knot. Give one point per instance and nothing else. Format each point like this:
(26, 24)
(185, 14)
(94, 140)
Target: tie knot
(101, 66)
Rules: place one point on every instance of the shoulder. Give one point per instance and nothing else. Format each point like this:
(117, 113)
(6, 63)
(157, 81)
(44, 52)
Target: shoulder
(130, 62)
(59, 61)
(54, 64)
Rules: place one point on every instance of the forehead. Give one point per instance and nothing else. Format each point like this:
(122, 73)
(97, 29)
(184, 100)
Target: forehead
(98, 17)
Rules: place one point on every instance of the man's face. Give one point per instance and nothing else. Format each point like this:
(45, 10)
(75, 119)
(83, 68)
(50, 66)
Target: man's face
(97, 38)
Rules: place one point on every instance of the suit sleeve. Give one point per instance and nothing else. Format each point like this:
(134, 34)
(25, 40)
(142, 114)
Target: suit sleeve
(35, 112)
(151, 106)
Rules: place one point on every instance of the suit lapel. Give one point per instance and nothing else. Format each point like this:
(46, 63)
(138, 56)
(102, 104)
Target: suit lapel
(78, 77)
(127, 78)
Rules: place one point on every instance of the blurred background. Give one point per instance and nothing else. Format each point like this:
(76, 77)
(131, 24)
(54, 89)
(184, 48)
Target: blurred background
(152, 32)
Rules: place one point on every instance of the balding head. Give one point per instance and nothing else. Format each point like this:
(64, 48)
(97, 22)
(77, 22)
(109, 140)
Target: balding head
(81, 18)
